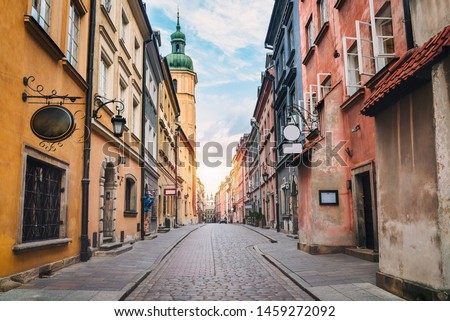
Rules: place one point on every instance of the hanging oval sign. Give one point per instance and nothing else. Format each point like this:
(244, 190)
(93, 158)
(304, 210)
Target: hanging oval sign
(52, 123)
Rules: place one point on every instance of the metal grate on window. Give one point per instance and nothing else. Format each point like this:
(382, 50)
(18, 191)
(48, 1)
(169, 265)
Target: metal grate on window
(42, 204)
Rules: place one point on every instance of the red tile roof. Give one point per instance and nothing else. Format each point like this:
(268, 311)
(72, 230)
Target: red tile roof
(406, 71)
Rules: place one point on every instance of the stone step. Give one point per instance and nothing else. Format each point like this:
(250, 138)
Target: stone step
(114, 252)
(363, 254)
(163, 229)
(110, 246)
(107, 239)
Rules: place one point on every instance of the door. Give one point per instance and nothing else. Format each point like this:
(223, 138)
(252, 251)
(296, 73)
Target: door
(108, 210)
(368, 215)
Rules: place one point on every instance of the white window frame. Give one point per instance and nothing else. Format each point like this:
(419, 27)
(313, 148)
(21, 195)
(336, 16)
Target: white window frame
(104, 75)
(381, 57)
(73, 37)
(41, 10)
(351, 87)
(136, 116)
(320, 87)
(362, 57)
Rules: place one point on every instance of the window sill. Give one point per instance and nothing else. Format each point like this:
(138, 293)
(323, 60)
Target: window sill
(309, 55)
(130, 213)
(353, 99)
(124, 47)
(339, 3)
(108, 18)
(75, 75)
(41, 245)
(323, 31)
(43, 38)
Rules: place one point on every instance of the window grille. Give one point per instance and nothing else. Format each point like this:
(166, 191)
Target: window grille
(42, 203)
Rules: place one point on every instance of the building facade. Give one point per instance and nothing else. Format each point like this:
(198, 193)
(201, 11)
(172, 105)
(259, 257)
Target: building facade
(168, 113)
(283, 38)
(115, 212)
(153, 76)
(42, 61)
(410, 108)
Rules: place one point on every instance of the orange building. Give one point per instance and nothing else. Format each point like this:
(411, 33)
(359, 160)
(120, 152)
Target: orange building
(43, 63)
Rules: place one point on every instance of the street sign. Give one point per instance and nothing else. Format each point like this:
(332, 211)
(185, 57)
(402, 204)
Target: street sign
(170, 191)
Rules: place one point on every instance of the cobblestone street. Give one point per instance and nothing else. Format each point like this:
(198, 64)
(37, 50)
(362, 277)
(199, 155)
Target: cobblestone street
(218, 262)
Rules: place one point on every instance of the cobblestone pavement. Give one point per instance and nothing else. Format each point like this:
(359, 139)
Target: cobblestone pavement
(218, 262)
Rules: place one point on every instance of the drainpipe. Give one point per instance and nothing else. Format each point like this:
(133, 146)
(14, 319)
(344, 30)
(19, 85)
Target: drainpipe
(408, 24)
(85, 254)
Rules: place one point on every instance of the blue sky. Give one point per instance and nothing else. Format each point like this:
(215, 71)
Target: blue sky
(225, 40)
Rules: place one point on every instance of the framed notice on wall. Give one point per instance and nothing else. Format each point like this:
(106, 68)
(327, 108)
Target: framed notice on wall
(328, 197)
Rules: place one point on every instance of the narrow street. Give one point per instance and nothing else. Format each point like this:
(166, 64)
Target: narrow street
(217, 262)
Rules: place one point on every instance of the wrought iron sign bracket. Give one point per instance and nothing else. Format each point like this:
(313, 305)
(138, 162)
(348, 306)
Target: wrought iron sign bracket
(52, 98)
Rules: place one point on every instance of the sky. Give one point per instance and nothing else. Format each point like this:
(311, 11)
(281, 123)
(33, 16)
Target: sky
(225, 40)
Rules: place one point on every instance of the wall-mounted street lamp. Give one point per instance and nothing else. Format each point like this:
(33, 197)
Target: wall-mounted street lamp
(265, 176)
(118, 121)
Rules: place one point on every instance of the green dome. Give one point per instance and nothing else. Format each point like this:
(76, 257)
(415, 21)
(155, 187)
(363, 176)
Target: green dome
(178, 35)
(180, 61)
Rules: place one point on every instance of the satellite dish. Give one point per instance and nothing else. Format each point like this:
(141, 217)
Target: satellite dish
(291, 132)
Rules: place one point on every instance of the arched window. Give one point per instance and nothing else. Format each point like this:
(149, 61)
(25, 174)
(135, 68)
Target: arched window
(130, 196)
(175, 85)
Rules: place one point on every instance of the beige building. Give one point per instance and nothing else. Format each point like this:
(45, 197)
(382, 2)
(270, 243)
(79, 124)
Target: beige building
(184, 81)
(115, 173)
(168, 113)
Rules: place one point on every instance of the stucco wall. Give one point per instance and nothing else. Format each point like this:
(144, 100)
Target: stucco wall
(428, 18)
(441, 82)
(409, 237)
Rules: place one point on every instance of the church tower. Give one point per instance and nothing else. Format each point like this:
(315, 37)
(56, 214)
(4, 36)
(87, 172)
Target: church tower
(185, 80)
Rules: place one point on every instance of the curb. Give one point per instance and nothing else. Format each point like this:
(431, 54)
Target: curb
(131, 286)
(267, 237)
(288, 273)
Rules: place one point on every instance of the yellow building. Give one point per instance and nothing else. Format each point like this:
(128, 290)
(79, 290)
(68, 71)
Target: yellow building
(45, 42)
(115, 172)
(184, 80)
(168, 113)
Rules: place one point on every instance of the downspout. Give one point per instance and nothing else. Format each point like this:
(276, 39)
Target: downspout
(85, 254)
(408, 24)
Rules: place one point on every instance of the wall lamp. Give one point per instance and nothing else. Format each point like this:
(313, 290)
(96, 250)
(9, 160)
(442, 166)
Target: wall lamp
(265, 176)
(118, 121)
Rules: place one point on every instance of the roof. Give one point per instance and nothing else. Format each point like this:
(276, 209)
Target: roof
(407, 71)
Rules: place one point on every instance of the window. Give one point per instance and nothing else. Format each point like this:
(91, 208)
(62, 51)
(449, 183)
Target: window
(104, 76)
(124, 29)
(323, 12)
(383, 35)
(291, 38)
(136, 51)
(135, 116)
(175, 85)
(40, 11)
(351, 65)
(42, 201)
(74, 35)
(323, 85)
(310, 33)
(130, 196)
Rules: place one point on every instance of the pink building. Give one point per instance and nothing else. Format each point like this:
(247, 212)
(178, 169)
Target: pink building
(346, 47)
